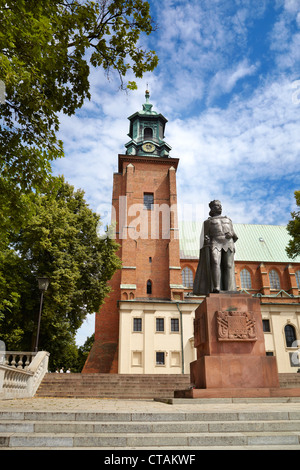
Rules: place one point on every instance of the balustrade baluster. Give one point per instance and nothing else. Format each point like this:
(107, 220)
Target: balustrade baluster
(19, 362)
(27, 362)
(13, 361)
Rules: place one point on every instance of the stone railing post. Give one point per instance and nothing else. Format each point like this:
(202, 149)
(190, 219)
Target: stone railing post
(20, 376)
(38, 367)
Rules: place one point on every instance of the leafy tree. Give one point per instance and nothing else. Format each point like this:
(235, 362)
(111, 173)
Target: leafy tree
(293, 227)
(60, 241)
(47, 48)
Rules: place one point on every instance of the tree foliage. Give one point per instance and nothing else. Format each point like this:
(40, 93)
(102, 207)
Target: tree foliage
(60, 241)
(47, 48)
(293, 227)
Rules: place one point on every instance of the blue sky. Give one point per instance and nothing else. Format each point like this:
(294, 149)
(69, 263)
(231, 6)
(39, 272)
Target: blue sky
(228, 81)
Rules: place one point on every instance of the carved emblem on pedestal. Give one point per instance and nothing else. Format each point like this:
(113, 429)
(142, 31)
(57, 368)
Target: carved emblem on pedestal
(236, 326)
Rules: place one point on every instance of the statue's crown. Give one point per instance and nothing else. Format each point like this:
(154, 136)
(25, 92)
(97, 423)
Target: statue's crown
(212, 203)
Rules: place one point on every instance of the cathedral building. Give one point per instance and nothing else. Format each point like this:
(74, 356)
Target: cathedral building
(145, 325)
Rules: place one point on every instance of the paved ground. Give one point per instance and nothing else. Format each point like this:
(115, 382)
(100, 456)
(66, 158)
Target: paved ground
(144, 406)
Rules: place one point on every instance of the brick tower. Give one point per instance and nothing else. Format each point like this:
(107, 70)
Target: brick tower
(144, 209)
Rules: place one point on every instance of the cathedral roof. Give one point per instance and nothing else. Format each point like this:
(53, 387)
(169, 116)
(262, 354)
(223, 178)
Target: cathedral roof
(260, 243)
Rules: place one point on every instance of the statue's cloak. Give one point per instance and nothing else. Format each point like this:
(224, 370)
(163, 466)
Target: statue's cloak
(203, 281)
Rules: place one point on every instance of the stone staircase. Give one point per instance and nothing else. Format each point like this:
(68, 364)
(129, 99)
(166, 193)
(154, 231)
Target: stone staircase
(192, 430)
(141, 386)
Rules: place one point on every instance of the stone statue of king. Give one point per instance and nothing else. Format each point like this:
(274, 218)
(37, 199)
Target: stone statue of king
(215, 271)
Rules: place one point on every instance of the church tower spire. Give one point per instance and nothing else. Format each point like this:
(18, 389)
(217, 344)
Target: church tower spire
(146, 131)
(147, 107)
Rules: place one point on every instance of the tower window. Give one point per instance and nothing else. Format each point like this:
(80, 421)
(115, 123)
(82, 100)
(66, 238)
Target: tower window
(148, 133)
(149, 287)
(274, 279)
(148, 201)
(245, 279)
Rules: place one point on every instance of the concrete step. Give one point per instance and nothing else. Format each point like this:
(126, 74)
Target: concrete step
(174, 430)
(155, 440)
(146, 427)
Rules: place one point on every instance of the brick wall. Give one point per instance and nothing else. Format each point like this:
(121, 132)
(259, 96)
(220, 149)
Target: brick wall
(149, 246)
(259, 274)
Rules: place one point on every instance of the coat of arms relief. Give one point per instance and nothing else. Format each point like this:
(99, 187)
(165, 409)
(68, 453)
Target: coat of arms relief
(236, 326)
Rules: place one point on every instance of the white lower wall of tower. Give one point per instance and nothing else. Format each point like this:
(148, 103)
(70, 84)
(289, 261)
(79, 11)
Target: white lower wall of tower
(155, 338)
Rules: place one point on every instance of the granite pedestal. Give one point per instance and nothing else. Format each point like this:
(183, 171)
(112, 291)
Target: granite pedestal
(231, 357)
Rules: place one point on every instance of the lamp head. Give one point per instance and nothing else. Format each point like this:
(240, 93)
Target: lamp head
(43, 283)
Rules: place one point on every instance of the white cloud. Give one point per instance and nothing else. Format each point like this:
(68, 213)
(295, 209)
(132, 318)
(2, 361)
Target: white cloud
(241, 154)
(292, 6)
(285, 37)
(225, 80)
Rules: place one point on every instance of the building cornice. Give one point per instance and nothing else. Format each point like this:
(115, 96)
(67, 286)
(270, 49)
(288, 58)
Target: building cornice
(146, 159)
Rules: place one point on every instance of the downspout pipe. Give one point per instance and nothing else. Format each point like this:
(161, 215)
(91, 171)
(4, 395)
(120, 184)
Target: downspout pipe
(181, 337)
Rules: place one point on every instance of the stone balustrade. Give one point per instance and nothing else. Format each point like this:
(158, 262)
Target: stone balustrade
(20, 360)
(21, 373)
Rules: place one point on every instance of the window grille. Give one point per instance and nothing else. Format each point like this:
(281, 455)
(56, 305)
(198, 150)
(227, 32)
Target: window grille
(187, 278)
(274, 279)
(160, 324)
(137, 324)
(174, 324)
(245, 279)
(298, 279)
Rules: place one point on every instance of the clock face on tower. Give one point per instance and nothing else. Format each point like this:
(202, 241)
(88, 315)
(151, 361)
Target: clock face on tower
(148, 148)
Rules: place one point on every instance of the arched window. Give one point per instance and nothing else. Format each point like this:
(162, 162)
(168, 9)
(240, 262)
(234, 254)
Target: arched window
(187, 277)
(149, 287)
(298, 278)
(290, 335)
(245, 279)
(148, 133)
(274, 279)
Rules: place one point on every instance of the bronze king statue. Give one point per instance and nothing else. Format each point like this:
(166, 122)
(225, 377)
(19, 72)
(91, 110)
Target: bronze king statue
(215, 271)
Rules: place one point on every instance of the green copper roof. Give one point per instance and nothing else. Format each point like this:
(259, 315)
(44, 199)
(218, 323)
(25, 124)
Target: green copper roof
(146, 131)
(147, 110)
(261, 243)
(147, 107)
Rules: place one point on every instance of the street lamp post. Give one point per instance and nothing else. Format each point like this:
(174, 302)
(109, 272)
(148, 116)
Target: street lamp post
(43, 286)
